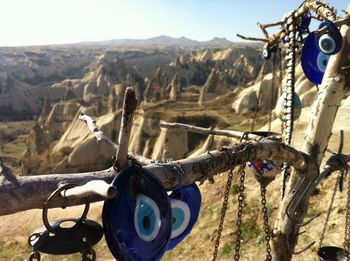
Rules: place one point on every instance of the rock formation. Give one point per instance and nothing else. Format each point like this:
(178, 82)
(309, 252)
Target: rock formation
(247, 100)
(16, 99)
(156, 88)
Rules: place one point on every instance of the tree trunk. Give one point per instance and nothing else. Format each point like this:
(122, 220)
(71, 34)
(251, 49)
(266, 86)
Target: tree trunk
(331, 93)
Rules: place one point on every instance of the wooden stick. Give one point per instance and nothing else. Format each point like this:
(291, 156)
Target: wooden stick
(94, 187)
(29, 192)
(252, 38)
(129, 106)
(208, 131)
(100, 136)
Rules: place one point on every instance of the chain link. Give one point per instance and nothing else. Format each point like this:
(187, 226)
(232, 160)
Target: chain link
(35, 255)
(329, 211)
(268, 231)
(88, 254)
(240, 212)
(347, 220)
(223, 213)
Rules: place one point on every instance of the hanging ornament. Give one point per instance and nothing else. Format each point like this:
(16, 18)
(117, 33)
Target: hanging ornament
(270, 167)
(304, 23)
(267, 51)
(137, 222)
(185, 205)
(331, 42)
(279, 110)
(313, 61)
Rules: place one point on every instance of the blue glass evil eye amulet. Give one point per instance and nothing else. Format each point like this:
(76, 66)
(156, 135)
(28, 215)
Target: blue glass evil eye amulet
(313, 61)
(138, 221)
(185, 204)
(331, 42)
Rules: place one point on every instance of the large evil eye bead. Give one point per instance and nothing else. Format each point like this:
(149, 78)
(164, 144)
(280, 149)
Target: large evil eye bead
(185, 205)
(331, 42)
(138, 221)
(313, 61)
(181, 217)
(146, 218)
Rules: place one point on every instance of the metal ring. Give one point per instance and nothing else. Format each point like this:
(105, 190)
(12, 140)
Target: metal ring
(47, 204)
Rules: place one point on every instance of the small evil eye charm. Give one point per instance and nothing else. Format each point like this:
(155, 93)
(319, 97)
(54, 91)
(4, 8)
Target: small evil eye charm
(269, 167)
(185, 205)
(280, 110)
(267, 51)
(304, 23)
(313, 61)
(138, 221)
(331, 42)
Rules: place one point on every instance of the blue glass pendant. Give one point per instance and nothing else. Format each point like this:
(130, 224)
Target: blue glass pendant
(185, 203)
(137, 222)
(313, 61)
(279, 110)
(267, 51)
(331, 42)
(305, 21)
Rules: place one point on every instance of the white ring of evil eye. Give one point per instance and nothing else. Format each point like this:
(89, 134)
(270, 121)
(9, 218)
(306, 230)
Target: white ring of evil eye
(142, 204)
(322, 61)
(182, 206)
(327, 44)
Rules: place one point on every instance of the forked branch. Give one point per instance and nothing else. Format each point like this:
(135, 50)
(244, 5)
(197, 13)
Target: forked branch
(30, 192)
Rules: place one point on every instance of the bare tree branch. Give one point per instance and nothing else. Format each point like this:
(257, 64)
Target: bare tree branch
(30, 192)
(209, 131)
(100, 136)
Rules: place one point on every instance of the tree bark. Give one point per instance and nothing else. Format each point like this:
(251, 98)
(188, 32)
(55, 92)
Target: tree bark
(129, 106)
(23, 193)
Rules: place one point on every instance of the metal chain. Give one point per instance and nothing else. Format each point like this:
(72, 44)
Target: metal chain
(223, 213)
(290, 30)
(268, 231)
(329, 212)
(347, 220)
(288, 107)
(240, 212)
(272, 90)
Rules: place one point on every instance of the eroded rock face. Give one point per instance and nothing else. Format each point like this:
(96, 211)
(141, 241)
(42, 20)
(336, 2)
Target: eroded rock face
(108, 71)
(65, 144)
(247, 100)
(175, 88)
(156, 88)
(171, 144)
(17, 99)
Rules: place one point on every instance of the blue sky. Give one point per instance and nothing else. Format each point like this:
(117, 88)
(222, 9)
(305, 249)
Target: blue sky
(31, 22)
